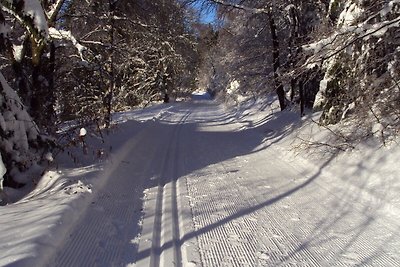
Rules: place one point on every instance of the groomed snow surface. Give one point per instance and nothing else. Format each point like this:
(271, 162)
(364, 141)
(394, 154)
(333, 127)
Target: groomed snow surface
(200, 184)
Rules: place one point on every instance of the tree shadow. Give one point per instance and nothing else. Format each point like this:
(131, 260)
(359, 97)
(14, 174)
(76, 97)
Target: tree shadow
(213, 145)
(354, 227)
(335, 229)
(209, 142)
(241, 213)
(215, 141)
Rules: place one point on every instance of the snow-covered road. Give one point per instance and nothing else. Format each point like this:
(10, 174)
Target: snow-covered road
(197, 186)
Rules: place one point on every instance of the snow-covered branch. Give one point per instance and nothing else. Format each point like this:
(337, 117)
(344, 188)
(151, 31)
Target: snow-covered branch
(31, 17)
(54, 10)
(325, 48)
(67, 35)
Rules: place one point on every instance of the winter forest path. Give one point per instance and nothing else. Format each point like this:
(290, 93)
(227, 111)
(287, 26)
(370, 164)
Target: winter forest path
(191, 189)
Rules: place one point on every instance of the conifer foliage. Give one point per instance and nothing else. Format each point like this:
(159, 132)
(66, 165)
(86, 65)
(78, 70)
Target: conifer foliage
(24, 38)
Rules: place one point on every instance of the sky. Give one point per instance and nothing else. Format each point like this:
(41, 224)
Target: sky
(207, 15)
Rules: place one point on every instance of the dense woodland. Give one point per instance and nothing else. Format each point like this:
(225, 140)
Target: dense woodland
(64, 60)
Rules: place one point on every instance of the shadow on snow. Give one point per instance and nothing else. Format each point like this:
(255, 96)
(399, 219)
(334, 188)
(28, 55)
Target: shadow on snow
(199, 136)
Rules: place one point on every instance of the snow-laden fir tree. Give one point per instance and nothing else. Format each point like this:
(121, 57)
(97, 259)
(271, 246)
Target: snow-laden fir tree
(26, 112)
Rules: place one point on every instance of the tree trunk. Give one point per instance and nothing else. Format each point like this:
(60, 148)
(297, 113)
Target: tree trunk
(293, 36)
(42, 98)
(292, 89)
(301, 95)
(111, 82)
(276, 63)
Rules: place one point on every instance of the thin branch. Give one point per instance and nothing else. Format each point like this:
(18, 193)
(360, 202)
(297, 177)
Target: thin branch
(242, 7)
(342, 48)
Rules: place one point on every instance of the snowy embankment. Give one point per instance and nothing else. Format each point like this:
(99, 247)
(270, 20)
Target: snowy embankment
(236, 185)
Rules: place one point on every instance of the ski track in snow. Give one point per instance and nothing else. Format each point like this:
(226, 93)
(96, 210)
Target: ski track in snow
(195, 188)
(104, 235)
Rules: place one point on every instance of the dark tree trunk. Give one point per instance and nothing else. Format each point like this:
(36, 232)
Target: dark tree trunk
(301, 95)
(293, 49)
(111, 85)
(42, 98)
(292, 89)
(292, 40)
(276, 63)
(166, 98)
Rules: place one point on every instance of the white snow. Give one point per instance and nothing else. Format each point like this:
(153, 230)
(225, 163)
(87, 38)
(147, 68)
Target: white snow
(18, 50)
(49, 156)
(67, 35)
(210, 185)
(34, 9)
(82, 132)
(233, 87)
(3, 171)
(350, 14)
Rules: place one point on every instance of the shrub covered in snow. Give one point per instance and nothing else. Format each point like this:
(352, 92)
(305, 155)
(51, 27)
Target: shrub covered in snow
(21, 145)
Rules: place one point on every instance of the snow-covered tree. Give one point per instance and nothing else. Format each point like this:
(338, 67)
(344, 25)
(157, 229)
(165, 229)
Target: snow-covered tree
(22, 146)
(29, 51)
(141, 49)
(360, 60)
(340, 57)
(261, 40)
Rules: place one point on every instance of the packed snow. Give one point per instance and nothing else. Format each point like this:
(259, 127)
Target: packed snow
(201, 183)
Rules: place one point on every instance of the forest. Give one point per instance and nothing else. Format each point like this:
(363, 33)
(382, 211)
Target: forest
(82, 61)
